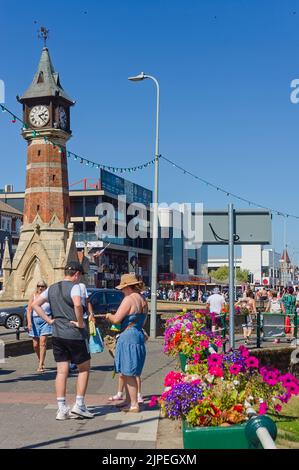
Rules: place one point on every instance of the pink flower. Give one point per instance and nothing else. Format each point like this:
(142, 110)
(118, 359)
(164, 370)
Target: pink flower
(196, 358)
(172, 378)
(287, 379)
(235, 369)
(153, 401)
(285, 398)
(244, 351)
(204, 343)
(216, 371)
(197, 348)
(263, 408)
(252, 362)
(218, 343)
(214, 360)
(292, 388)
(278, 408)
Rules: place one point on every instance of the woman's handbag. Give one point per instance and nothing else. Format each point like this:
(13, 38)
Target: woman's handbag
(96, 344)
(110, 343)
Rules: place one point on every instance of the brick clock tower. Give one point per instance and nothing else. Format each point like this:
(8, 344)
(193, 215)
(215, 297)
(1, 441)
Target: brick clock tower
(46, 241)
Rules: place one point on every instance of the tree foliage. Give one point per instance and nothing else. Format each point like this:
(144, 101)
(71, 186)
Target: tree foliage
(222, 274)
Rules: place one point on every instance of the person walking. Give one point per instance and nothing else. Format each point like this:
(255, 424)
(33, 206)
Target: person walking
(130, 347)
(39, 329)
(215, 304)
(288, 304)
(70, 338)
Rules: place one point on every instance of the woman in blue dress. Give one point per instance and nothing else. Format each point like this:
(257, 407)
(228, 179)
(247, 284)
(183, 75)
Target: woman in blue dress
(130, 347)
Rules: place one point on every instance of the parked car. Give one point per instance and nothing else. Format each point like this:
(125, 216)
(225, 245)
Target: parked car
(13, 317)
(105, 300)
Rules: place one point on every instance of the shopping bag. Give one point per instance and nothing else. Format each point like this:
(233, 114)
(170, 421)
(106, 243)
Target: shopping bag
(96, 344)
(287, 325)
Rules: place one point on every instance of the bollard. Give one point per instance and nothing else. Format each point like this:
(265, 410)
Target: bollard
(261, 429)
(18, 334)
(258, 330)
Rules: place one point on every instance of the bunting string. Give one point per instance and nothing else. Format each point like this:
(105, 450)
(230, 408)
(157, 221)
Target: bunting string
(114, 169)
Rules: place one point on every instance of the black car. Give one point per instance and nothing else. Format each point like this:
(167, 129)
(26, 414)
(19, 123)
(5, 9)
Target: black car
(105, 300)
(13, 317)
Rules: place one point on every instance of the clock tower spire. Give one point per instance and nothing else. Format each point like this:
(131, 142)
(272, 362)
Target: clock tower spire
(46, 240)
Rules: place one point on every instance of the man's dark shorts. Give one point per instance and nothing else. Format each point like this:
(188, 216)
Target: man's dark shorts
(75, 351)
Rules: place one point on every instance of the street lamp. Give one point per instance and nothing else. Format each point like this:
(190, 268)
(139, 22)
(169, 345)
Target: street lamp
(139, 78)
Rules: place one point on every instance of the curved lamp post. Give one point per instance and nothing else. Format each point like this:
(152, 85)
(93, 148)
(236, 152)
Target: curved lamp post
(153, 318)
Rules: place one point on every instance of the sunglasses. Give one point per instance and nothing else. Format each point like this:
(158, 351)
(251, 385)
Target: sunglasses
(42, 287)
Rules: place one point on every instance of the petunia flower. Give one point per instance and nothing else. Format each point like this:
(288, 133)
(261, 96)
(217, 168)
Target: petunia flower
(153, 401)
(235, 369)
(252, 362)
(214, 360)
(263, 408)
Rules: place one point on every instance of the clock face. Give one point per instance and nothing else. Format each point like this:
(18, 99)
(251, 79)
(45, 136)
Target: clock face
(39, 116)
(62, 117)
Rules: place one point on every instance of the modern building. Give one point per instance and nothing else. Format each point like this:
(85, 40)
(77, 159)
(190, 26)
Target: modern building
(262, 264)
(179, 261)
(10, 223)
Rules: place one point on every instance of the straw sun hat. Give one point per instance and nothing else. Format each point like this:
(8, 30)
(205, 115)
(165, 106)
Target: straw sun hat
(127, 280)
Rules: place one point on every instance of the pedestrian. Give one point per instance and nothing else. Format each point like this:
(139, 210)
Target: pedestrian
(39, 329)
(248, 308)
(88, 314)
(70, 338)
(288, 303)
(215, 303)
(130, 347)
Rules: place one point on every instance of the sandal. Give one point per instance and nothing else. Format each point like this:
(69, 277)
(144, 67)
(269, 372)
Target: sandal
(117, 397)
(131, 410)
(40, 369)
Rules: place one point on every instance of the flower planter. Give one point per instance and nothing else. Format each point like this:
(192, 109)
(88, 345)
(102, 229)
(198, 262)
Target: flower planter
(216, 437)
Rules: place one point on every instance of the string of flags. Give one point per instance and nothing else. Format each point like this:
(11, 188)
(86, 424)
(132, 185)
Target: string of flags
(79, 158)
(114, 169)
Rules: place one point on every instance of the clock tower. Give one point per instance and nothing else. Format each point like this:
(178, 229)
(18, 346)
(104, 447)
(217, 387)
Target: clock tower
(46, 240)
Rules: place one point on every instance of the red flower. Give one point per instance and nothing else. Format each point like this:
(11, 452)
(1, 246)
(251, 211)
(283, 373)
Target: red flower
(238, 408)
(216, 371)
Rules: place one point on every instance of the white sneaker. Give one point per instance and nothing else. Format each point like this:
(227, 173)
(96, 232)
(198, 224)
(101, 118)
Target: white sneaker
(81, 411)
(63, 414)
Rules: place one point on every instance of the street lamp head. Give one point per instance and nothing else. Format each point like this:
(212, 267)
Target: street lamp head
(138, 78)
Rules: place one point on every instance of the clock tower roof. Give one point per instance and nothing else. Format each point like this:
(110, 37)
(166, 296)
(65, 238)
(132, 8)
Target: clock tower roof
(46, 81)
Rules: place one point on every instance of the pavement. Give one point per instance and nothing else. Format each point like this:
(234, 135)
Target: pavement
(28, 407)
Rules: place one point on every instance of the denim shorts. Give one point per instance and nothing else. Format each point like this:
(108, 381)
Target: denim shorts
(39, 328)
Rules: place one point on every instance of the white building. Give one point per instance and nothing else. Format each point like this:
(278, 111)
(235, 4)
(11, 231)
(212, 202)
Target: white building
(262, 264)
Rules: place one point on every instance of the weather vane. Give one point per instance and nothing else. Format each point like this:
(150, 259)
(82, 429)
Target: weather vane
(43, 33)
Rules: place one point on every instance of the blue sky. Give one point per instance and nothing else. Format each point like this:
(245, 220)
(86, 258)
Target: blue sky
(224, 69)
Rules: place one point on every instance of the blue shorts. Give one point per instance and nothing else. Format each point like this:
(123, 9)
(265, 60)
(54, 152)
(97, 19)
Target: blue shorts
(39, 328)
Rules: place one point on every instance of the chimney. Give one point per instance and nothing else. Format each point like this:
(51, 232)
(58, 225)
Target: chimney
(8, 188)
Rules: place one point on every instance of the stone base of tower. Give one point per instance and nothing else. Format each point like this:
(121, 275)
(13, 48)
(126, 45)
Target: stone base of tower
(42, 253)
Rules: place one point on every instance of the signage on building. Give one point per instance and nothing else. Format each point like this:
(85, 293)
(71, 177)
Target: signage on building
(116, 185)
(250, 227)
(97, 244)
